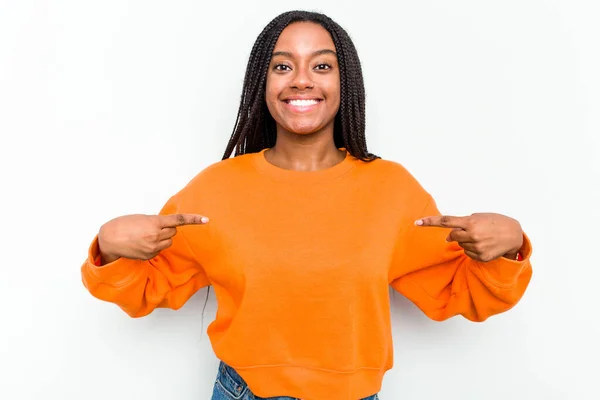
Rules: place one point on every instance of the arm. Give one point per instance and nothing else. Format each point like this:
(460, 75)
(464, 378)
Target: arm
(440, 279)
(139, 286)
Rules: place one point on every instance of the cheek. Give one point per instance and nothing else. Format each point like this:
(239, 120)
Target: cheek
(268, 93)
(333, 89)
(271, 96)
(334, 102)
(337, 97)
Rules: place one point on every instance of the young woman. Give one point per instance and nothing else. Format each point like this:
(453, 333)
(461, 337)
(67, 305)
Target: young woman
(301, 233)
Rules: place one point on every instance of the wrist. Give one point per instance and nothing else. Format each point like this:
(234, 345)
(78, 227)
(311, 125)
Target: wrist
(516, 253)
(107, 258)
(513, 255)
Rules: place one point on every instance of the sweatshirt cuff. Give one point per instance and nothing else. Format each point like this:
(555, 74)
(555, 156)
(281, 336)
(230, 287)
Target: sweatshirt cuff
(503, 272)
(118, 272)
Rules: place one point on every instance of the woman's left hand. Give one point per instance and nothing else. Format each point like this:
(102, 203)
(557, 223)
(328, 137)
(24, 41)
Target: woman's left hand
(483, 236)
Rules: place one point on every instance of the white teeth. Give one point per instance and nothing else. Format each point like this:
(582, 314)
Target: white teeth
(303, 103)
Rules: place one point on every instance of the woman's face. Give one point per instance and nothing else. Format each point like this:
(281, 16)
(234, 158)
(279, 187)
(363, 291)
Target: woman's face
(303, 81)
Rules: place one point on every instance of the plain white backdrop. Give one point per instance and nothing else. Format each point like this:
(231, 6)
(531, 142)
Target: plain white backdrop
(108, 108)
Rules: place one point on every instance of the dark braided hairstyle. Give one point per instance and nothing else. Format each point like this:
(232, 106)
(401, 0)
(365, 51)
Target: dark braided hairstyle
(255, 128)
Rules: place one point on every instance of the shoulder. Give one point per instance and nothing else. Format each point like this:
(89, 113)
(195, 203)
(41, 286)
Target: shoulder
(390, 171)
(217, 176)
(225, 168)
(393, 179)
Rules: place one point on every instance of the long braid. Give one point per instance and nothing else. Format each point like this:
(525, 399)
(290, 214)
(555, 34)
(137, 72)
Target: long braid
(255, 128)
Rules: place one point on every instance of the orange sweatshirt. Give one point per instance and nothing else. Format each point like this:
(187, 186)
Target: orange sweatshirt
(300, 263)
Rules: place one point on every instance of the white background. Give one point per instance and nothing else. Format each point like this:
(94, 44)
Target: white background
(108, 108)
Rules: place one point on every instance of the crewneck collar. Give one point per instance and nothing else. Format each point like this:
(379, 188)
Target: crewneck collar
(322, 175)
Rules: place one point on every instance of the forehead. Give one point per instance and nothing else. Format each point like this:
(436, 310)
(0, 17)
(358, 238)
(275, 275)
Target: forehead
(304, 37)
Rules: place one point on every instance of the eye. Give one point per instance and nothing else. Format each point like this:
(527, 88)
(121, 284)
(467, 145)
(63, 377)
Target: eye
(323, 67)
(281, 67)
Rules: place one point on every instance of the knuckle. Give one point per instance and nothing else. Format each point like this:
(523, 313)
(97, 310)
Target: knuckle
(180, 219)
(445, 220)
(153, 237)
(150, 248)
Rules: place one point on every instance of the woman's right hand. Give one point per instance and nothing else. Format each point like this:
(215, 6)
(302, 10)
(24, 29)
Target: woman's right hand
(140, 236)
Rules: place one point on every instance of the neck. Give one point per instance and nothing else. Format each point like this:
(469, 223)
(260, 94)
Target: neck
(309, 152)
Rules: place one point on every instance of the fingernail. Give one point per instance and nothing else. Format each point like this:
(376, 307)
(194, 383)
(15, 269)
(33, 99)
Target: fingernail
(204, 220)
(419, 222)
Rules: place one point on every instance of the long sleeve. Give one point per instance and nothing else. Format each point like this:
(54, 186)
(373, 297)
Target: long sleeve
(140, 286)
(440, 279)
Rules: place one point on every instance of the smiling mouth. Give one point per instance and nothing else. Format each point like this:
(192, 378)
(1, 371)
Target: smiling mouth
(302, 103)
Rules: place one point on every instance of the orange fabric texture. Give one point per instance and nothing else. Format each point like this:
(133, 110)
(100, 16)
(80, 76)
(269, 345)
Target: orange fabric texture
(300, 263)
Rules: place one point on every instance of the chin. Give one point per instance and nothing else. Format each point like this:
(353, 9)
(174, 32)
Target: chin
(306, 128)
(304, 132)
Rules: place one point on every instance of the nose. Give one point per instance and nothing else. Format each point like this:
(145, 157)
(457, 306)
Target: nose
(302, 79)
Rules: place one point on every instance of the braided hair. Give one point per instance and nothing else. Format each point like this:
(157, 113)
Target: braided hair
(255, 128)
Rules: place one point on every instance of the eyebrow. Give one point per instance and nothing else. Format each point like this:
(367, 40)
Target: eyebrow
(315, 53)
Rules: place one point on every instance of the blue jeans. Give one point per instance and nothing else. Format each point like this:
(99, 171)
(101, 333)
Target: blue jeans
(230, 386)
